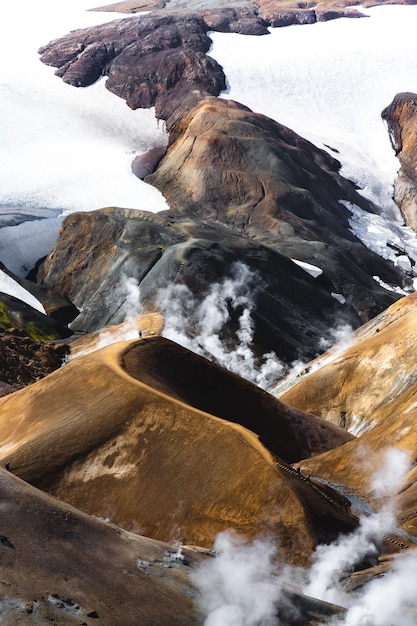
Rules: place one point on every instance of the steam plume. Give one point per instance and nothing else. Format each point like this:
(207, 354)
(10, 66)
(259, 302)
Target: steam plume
(200, 326)
(243, 586)
(234, 587)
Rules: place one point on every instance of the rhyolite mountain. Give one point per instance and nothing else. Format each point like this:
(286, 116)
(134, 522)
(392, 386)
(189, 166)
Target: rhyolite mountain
(369, 388)
(127, 450)
(129, 433)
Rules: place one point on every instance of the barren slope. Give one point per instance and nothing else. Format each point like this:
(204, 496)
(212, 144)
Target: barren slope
(370, 380)
(63, 567)
(96, 437)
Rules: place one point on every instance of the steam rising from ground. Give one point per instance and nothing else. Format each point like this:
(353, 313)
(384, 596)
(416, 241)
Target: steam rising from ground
(234, 588)
(200, 326)
(388, 601)
(333, 561)
(243, 586)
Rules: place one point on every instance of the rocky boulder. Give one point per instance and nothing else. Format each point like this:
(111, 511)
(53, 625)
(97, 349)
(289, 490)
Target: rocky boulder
(401, 118)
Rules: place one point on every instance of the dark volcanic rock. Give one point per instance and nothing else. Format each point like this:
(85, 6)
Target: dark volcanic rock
(291, 310)
(262, 12)
(149, 61)
(24, 361)
(278, 17)
(327, 14)
(401, 117)
(145, 164)
(56, 306)
(16, 314)
(242, 20)
(161, 59)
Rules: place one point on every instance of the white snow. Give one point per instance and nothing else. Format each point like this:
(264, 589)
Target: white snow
(329, 82)
(339, 297)
(22, 245)
(69, 149)
(11, 287)
(313, 270)
(64, 148)
(387, 238)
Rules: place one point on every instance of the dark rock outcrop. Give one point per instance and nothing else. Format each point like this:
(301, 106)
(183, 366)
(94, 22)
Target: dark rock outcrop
(401, 118)
(145, 164)
(242, 20)
(161, 59)
(16, 314)
(291, 311)
(155, 60)
(24, 361)
(252, 17)
(56, 306)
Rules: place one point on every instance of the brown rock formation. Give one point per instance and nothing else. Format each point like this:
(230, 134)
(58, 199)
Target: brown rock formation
(401, 117)
(228, 164)
(60, 566)
(24, 361)
(93, 435)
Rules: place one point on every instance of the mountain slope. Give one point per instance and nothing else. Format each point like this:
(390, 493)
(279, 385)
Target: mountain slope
(94, 436)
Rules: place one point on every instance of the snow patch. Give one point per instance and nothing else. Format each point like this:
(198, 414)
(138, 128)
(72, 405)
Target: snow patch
(12, 288)
(313, 270)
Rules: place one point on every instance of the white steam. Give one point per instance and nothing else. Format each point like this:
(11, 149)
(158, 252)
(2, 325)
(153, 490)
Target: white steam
(234, 587)
(129, 292)
(131, 308)
(391, 600)
(394, 468)
(244, 586)
(340, 337)
(332, 562)
(199, 326)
